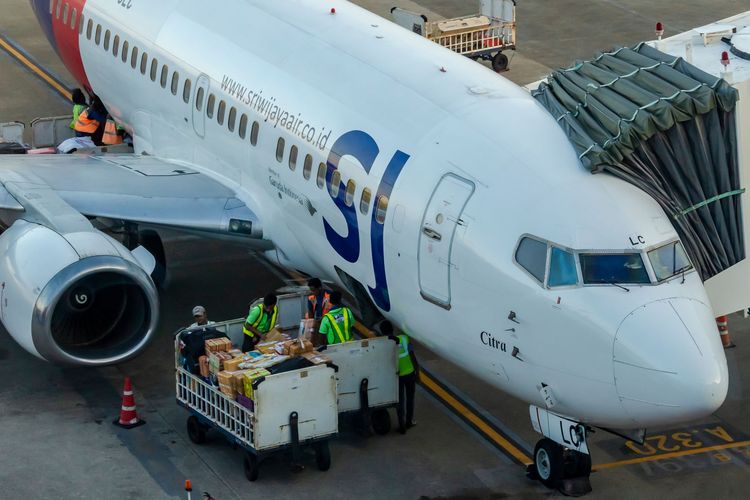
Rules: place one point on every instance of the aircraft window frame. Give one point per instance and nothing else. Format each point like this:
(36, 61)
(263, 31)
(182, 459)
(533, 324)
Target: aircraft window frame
(654, 254)
(105, 44)
(52, 6)
(254, 133)
(381, 209)
(116, 46)
(293, 153)
(320, 177)
(210, 105)
(125, 51)
(57, 9)
(558, 267)
(307, 167)
(154, 69)
(351, 188)
(163, 78)
(221, 111)
(243, 126)
(89, 29)
(531, 265)
(187, 87)
(73, 18)
(174, 86)
(98, 34)
(65, 13)
(584, 255)
(280, 147)
(335, 186)
(81, 24)
(144, 62)
(364, 201)
(133, 57)
(232, 119)
(200, 94)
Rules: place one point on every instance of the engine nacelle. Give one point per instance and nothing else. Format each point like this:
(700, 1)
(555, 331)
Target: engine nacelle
(79, 298)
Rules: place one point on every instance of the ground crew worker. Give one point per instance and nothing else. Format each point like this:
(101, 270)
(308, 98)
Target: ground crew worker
(91, 121)
(319, 300)
(408, 374)
(113, 133)
(260, 320)
(200, 316)
(79, 105)
(336, 325)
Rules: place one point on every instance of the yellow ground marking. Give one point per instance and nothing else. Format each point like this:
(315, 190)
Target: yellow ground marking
(36, 69)
(664, 456)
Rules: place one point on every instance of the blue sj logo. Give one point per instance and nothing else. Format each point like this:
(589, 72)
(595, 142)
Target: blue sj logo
(364, 149)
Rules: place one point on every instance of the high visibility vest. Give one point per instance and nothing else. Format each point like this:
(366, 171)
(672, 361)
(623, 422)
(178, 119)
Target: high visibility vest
(110, 133)
(405, 366)
(77, 110)
(85, 124)
(314, 301)
(259, 320)
(342, 335)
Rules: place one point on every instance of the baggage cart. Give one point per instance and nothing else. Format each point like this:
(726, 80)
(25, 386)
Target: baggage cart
(290, 411)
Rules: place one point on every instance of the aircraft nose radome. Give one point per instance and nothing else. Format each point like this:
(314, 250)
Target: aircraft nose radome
(669, 365)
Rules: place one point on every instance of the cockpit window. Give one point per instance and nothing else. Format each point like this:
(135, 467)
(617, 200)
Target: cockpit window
(668, 260)
(532, 256)
(613, 268)
(562, 268)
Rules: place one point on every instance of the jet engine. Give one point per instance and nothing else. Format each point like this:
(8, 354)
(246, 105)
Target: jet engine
(78, 298)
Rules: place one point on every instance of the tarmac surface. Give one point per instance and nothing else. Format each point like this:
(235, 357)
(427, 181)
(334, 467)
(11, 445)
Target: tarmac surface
(56, 428)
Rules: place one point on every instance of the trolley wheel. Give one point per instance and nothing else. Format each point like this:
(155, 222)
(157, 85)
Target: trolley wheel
(548, 462)
(195, 430)
(322, 455)
(381, 422)
(251, 465)
(499, 62)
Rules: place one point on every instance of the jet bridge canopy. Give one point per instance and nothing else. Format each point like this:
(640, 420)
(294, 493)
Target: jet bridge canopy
(667, 127)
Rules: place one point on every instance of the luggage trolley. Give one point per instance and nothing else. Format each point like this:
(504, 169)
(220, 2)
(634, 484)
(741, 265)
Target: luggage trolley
(290, 410)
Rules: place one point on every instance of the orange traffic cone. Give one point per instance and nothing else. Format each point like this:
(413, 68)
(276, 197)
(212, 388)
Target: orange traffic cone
(128, 415)
(726, 340)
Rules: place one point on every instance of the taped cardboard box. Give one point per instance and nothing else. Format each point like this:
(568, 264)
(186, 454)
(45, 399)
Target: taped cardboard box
(203, 364)
(317, 358)
(226, 382)
(251, 376)
(216, 361)
(215, 345)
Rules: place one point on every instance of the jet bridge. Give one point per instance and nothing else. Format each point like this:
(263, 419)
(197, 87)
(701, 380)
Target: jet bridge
(672, 128)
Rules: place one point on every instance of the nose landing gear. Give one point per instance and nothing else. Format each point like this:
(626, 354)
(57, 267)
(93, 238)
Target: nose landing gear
(557, 467)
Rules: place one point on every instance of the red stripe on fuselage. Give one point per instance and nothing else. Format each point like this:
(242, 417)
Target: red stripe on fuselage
(66, 38)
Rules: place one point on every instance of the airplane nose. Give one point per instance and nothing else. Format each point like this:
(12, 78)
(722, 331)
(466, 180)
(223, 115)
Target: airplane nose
(669, 365)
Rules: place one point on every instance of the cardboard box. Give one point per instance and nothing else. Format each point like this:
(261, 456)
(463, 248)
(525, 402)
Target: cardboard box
(273, 335)
(294, 347)
(251, 376)
(203, 364)
(226, 383)
(233, 364)
(316, 358)
(216, 345)
(266, 347)
(216, 361)
(236, 353)
(307, 328)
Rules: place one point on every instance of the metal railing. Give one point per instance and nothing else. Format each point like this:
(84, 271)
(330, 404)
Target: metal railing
(481, 39)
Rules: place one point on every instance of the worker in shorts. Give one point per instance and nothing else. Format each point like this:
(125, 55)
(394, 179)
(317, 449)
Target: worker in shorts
(408, 374)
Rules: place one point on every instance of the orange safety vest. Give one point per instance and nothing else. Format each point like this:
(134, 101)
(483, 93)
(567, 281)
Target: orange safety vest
(85, 124)
(110, 133)
(314, 301)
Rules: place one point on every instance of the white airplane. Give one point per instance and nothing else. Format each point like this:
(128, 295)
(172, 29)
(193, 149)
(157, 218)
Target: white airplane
(434, 190)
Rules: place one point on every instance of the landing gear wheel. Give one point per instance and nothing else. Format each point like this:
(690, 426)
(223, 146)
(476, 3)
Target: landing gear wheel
(251, 466)
(499, 62)
(381, 422)
(548, 461)
(322, 456)
(195, 430)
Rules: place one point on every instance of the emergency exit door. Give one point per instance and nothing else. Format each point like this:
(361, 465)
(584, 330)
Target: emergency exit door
(441, 219)
(200, 96)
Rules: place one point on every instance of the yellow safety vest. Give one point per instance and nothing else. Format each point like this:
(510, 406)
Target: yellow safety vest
(260, 320)
(405, 366)
(346, 335)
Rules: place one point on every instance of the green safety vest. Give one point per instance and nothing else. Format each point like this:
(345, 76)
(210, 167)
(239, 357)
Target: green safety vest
(260, 320)
(405, 366)
(346, 334)
(77, 110)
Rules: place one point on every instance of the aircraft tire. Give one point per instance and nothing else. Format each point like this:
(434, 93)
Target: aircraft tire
(549, 462)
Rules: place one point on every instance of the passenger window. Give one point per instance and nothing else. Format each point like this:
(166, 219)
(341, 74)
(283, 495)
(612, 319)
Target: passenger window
(351, 186)
(232, 118)
(335, 183)
(210, 105)
(144, 62)
(73, 18)
(106, 40)
(175, 82)
(186, 90)
(321, 178)
(154, 67)
(532, 256)
(89, 29)
(254, 133)
(364, 201)
(125, 51)
(134, 57)
(293, 157)
(65, 14)
(81, 22)
(307, 169)
(52, 6)
(57, 11)
(199, 98)
(381, 209)
(280, 149)
(164, 75)
(98, 36)
(116, 46)
(220, 114)
(243, 126)
(562, 268)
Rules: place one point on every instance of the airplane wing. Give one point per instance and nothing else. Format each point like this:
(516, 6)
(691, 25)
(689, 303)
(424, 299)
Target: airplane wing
(136, 188)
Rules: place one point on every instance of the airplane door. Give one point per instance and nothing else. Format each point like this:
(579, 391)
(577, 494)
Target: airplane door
(199, 99)
(441, 218)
